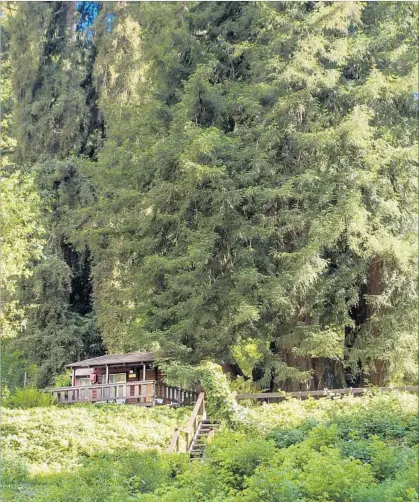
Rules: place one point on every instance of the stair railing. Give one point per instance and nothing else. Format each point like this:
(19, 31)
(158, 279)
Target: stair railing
(182, 438)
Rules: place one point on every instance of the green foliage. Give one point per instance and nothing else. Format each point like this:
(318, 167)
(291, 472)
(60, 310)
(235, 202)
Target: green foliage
(15, 370)
(14, 477)
(29, 397)
(270, 153)
(96, 453)
(220, 402)
(236, 457)
(63, 380)
(287, 437)
(22, 241)
(313, 475)
(47, 281)
(253, 201)
(59, 438)
(240, 385)
(180, 374)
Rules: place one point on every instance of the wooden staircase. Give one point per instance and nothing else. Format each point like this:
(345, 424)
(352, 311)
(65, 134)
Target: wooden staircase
(205, 430)
(194, 437)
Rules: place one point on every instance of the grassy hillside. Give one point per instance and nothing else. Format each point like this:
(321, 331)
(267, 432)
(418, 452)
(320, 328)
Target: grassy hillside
(59, 438)
(345, 449)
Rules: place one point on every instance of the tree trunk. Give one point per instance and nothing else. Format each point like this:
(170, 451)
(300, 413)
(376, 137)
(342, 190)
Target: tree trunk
(378, 374)
(232, 369)
(70, 8)
(327, 373)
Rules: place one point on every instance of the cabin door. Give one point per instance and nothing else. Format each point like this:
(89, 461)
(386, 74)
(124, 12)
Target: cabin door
(118, 392)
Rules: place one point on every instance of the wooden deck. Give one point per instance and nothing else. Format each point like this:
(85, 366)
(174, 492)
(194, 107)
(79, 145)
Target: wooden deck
(145, 393)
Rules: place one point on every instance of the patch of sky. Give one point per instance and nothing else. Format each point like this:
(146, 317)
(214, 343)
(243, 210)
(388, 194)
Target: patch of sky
(88, 11)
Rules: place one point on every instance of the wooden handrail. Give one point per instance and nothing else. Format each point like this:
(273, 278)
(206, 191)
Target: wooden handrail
(200, 402)
(321, 393)
(192, 426)
(174, 443)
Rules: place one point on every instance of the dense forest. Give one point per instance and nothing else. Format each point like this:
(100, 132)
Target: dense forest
(234, 181)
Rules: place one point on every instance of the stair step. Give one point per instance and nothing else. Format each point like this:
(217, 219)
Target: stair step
(199, 445)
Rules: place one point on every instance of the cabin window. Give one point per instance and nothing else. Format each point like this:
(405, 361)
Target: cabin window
(117, 378)
(84, 381)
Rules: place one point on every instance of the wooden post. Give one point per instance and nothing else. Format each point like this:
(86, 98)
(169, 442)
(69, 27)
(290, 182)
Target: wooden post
(144, 372)
(107, 375)
(73, 377)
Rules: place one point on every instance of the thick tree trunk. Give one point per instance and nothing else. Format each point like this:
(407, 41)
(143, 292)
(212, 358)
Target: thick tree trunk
(70, 9)
(232, 369)
(327, 373)
(378, 375)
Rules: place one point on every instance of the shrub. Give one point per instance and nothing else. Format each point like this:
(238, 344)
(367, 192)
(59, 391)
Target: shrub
(403, 487)
(386, 461)
(220, 401)
(14, 470)
(29, 397)
(235, 456)
(299, 473)
(63, 380)
(286, 437)
(323, 435)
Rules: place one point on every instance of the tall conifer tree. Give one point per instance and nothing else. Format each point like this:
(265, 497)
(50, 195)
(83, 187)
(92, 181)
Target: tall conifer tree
(256, 192)
(52, 124)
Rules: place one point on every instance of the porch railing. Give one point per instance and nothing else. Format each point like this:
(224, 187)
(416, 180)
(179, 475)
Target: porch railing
(281, 396)
(147, 392)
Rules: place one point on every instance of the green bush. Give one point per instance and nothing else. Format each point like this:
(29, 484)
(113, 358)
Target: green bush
(387, 461)
(199, 482)
(286, 437)
(235, 456)
(29, 397)
(403, 487)
(220, 401)
(63, 380)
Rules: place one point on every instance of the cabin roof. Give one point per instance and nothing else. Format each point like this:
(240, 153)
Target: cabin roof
(133, 357)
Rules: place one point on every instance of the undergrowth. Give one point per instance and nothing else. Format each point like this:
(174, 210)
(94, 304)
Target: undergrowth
(344, 450)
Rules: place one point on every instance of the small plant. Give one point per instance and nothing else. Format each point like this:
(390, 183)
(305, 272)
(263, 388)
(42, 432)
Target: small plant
(4, 394)
(29, 397)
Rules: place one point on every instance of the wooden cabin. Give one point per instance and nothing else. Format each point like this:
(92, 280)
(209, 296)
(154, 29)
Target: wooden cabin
(133, 378)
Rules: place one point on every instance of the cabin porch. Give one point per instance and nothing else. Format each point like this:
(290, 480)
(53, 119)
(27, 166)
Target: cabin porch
(144, 393)
(133, 378)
